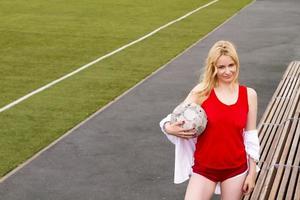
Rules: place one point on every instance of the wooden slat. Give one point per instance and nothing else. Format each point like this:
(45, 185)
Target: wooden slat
(282, 176)
(288, 184)
(297, 192)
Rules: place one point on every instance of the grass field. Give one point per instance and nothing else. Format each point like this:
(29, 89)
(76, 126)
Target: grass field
(44, 40)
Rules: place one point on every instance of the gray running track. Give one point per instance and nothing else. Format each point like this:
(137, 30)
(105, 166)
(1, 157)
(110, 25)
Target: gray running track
(121, 153)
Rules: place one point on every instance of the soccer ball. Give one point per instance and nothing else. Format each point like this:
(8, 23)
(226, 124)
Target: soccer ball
(193, 116)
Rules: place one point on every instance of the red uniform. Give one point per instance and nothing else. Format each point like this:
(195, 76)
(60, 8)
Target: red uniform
(220, 152)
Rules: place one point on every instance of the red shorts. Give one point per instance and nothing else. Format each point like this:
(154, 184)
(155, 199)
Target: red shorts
(219, 175)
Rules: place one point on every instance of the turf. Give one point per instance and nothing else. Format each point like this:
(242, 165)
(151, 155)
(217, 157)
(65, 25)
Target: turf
(43, 40)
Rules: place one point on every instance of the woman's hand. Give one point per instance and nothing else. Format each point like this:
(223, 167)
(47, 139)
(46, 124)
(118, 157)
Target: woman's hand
(249, 184)
(177, 130)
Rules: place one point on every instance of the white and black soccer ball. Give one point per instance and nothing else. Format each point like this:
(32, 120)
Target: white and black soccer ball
(192, 114)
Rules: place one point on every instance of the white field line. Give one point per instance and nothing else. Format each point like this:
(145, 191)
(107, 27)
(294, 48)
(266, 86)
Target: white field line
(101, 58)
(115, 100)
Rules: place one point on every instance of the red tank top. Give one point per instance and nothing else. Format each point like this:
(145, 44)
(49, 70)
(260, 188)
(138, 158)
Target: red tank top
(221, 145)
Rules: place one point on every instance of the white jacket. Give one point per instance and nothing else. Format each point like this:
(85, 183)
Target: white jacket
(184, 152)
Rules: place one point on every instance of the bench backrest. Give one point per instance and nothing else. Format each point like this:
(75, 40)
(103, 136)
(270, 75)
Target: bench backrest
(279, 132)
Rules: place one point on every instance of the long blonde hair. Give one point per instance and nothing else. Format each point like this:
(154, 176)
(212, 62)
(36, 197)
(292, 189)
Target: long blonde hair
(208, 80)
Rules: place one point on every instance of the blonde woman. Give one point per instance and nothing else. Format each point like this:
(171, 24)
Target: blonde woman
(227, 151)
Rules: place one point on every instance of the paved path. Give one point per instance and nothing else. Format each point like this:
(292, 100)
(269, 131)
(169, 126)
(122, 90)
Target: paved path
(121, 153)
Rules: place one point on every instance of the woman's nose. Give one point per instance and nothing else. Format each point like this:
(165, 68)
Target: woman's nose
(227, 70)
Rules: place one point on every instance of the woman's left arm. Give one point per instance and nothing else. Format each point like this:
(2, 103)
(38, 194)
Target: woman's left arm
(251, 125)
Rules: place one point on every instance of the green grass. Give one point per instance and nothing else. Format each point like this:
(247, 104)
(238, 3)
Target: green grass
(44, 40)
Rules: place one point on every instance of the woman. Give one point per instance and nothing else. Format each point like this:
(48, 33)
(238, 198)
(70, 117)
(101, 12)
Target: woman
(220, 155)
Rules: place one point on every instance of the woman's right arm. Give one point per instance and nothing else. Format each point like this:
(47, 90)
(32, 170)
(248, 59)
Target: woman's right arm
(176, 128)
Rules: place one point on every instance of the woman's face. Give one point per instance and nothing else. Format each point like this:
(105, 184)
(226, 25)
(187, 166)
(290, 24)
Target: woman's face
(226, 69)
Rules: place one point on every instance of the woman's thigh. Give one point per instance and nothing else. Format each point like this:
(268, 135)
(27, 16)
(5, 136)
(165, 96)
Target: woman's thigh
(199, 187)
(232, 188)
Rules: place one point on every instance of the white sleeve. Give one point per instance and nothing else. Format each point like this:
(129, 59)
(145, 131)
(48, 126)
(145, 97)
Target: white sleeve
(252, 144)
(172, 138)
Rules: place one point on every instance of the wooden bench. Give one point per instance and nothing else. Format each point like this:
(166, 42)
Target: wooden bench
(279, 134)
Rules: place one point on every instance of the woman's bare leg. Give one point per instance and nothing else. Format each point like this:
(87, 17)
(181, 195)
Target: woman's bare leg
(232, 188)
(199, 187)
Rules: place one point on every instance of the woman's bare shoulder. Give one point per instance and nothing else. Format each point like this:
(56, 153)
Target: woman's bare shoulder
(251, 93)
(192, 96)
(196, 89)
